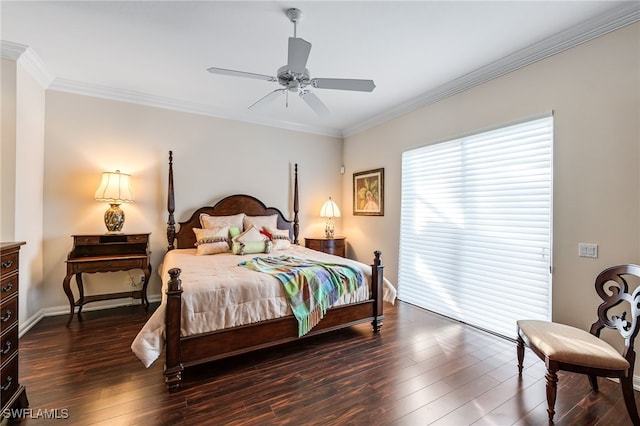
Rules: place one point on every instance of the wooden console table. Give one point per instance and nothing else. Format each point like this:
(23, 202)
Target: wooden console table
(106, 253)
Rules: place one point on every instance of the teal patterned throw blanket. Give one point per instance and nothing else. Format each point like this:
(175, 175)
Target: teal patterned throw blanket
(311, 287)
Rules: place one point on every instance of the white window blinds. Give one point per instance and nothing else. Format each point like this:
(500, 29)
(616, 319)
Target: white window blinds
(475, 232)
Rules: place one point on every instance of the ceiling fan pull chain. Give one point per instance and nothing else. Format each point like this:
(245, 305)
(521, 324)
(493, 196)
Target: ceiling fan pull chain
(286, 102)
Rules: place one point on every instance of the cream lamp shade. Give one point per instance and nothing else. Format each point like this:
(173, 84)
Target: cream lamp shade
(115, 189)
(329, 210)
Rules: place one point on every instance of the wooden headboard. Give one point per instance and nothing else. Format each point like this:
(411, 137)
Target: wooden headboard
(233, 204)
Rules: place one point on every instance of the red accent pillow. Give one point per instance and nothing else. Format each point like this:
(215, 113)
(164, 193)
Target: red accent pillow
(265, 233)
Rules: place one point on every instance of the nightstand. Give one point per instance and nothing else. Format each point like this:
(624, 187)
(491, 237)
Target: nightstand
(106, 253)
(333, 245)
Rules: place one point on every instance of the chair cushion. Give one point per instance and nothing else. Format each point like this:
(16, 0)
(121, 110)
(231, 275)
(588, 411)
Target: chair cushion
(563, 343)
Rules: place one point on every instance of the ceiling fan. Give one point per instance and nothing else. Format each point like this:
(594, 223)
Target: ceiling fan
(295, 77)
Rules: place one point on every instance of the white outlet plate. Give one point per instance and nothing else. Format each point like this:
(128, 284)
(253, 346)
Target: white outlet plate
(587, 250)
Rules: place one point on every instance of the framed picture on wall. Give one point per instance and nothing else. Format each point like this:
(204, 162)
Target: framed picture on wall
(368, 193)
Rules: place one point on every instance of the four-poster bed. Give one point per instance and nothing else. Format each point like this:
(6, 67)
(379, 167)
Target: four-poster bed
(188, 345)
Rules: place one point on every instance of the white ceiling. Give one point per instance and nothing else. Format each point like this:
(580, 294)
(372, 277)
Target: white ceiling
(157, 52)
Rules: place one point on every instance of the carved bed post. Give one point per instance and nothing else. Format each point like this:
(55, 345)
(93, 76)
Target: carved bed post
(296, 224)
(171, 206)
(377, 290)
(173, 367)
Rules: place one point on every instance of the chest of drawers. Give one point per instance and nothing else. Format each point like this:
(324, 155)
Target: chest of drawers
(12, 393)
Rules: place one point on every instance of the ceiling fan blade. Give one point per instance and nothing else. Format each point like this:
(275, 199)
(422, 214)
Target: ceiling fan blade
(223, 71)
(269, 98)
(314, 102)
(344, 84)
(298, 54)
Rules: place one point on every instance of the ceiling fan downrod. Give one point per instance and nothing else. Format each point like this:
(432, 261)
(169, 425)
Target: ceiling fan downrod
(294, 16)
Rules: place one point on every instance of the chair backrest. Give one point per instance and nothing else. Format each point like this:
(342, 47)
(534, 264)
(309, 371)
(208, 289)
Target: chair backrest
(613, 289)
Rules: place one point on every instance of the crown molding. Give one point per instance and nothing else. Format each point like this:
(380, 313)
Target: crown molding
(626, 14)
(10, 50)
(95, 90)
(35, 67)
(25, 56)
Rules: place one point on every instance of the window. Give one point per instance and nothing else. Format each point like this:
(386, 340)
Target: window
(475, 232)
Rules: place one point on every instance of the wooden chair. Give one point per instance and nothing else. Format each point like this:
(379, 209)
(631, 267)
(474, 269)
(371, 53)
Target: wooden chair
(567, 348)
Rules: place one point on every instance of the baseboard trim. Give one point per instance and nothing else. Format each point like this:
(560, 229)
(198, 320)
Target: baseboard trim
(30, 322)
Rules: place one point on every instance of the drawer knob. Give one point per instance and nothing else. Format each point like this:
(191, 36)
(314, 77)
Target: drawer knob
(7, 347)
(7, 264)
(7, 316)
(8, 385)
(7, 288)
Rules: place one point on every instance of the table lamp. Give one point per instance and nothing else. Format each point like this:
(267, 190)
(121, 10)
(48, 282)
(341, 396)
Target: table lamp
(115, 189)
(329, 210)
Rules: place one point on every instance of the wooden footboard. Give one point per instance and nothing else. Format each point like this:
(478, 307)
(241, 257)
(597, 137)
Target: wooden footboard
(187, 351)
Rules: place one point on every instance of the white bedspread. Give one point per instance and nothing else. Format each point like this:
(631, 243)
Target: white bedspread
(218, 294)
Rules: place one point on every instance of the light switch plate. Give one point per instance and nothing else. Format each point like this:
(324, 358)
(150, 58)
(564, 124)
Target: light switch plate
(587, 250)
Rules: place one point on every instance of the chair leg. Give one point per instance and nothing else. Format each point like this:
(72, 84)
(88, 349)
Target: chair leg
(552, 387)
(629, 399)
(520, 350)
(594, 382)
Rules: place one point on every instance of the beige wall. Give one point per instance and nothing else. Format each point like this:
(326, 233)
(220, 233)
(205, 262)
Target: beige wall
(7, 149)
(30, 123)
(22, 148)
(594, 91)
(213, 158)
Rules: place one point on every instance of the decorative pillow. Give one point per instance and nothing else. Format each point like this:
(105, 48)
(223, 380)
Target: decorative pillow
(279, 238)
(208, 221)
(234, 231)
(250, 241)
(261, 222)
(212, 241)
(251, 234)
(251, 247)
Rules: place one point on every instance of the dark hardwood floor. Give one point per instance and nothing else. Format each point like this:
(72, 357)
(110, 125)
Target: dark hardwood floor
(423, 369)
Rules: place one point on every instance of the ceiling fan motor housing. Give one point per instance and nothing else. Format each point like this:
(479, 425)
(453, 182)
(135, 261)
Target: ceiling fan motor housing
(293, 81)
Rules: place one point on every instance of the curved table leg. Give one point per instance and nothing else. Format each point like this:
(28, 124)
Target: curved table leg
(147, 276)
(81, 291)
(66, 285)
